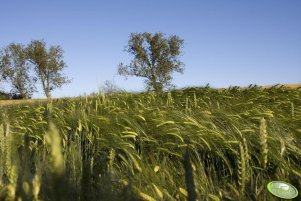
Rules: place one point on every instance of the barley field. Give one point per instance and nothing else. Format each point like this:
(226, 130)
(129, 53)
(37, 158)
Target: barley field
(189, 144)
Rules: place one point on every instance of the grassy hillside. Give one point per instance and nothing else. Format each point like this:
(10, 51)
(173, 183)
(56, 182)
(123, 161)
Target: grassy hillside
(195, 143)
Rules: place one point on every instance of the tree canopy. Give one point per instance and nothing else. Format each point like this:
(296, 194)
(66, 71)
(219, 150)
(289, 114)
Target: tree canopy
(48, 65)
(22, 66)
(15, 69)
(155, 58)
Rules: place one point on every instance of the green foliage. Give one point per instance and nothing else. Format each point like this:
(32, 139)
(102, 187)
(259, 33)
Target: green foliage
(15, 68)
(48, 65)
(17, 63)
(155, 58)
(4, 96)
(190, 144)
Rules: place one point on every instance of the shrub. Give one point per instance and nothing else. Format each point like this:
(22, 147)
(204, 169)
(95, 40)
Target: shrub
(4, 96)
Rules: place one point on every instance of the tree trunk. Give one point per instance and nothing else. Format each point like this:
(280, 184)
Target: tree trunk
(46, 90)
(156, 85)
(47, 93)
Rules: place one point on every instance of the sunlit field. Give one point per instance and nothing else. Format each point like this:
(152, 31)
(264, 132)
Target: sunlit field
(189, 144)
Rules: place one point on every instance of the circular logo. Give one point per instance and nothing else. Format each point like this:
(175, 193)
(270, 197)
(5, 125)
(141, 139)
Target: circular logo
(282, 189)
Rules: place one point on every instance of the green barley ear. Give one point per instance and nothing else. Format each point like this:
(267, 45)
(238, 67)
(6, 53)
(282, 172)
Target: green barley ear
(146, 197)
(53, 141)
(8, 193)
(170, 100)
(246, 151)
(60, 188)
(187, 105)
(111, 160)
(26, 188)
(195, 102)
(263, 143)
(36, 185)
(242, 169)
(292, 110)
(158, 191)
(189, 180)
(247, 158)
(283, 148)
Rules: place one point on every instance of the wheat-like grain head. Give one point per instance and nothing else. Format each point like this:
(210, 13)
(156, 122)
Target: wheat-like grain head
(263, 142)
(242, 169)
(54, 142)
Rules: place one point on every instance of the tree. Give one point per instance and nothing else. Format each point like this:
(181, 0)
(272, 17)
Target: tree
(110, 87)
(1, 67)
(48, 65)
(155, 58)
(16, 69)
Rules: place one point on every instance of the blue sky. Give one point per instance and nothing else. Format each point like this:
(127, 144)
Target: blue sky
(226, 42)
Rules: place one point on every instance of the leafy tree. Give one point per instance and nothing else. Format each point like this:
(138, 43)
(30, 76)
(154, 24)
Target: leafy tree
(48, 65)
(155, 58)
(1, 68)
(16, 70)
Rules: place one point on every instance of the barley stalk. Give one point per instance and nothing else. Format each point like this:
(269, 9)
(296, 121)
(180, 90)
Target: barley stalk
(146, 197)
(187, 105)
(263, 142)
(292, 110)
(2, 149)
(189, 180)
(195, 100)
(8, 169)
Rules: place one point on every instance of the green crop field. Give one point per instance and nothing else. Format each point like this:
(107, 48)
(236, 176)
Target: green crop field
(189, 144)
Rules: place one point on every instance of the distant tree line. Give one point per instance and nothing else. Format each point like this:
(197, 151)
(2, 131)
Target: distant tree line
(22, 67)
(156, 57)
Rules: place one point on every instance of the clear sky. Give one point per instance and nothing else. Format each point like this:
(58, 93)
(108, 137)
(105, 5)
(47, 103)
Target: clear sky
(226, 42)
